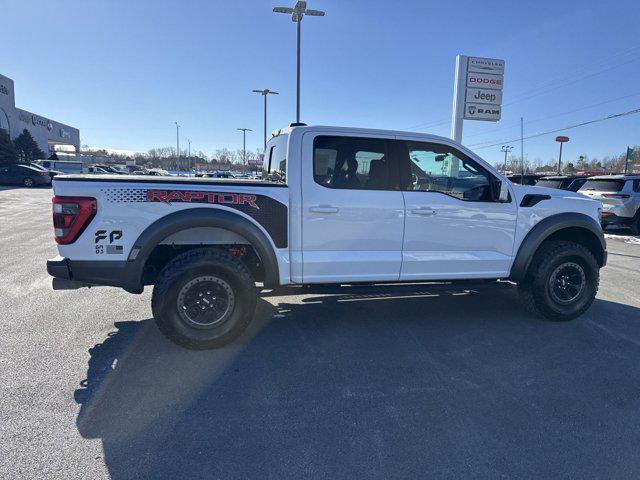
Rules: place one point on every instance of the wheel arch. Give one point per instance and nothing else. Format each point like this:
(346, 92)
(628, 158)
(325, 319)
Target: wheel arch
(575, 227)
(192, 218)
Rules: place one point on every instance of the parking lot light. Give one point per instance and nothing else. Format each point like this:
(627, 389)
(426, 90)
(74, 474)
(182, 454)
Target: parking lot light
(297, 13)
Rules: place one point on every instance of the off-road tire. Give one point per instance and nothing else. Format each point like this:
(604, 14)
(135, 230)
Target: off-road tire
(189, 267)
(535, 289)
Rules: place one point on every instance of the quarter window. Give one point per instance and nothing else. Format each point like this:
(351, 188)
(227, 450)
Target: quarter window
(353, 163)
(439, 168)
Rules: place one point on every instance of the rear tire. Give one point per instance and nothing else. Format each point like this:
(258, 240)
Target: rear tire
(28, 182)
(561, 282)
(204, 298)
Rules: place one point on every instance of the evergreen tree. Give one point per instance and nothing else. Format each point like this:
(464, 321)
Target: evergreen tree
(27, 147)
(8, 153)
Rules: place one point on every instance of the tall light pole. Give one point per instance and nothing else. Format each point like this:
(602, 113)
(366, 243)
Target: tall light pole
(506, 149)
(265, 93)
(297, 13)
(244, 146)
(189, 154)
(521, 150)
(177, 144)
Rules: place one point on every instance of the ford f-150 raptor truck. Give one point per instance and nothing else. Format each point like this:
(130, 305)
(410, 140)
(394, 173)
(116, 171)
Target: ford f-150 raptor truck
(337, 206)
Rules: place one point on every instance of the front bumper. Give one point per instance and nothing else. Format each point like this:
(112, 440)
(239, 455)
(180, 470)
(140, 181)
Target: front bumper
(119, 273)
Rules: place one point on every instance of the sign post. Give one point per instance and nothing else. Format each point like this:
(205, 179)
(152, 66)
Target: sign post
(477, 92)
(629, 157)
(561, 139)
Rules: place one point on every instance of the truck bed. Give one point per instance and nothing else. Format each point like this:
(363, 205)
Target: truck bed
(81, 177)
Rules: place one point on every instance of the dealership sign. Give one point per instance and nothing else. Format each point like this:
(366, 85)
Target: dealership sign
(477, 92)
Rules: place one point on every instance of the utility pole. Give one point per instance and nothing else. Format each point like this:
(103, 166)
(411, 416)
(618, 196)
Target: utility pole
(506, 149)
(244, 146)
(297, 13)
(265, 93)
(189, 154)
(178, 144)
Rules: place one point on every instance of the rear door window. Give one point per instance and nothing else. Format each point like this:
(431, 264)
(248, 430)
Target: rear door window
(354, 163)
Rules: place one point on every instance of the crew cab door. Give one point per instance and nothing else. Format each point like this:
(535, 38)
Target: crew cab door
(352, 209)
(455, 227)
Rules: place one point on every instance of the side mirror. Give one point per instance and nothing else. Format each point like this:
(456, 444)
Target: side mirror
(499, 191)
(504, 193)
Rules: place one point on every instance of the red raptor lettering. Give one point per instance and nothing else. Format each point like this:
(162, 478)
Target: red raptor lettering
(196, 196)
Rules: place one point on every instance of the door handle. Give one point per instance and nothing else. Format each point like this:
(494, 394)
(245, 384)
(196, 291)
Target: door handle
(324, 209)
(426, 211)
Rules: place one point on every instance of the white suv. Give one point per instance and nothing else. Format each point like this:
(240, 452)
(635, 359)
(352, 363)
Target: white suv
(620, 197)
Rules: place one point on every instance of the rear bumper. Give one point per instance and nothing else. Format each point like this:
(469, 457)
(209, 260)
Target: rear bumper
(88, 273)
(609, 218)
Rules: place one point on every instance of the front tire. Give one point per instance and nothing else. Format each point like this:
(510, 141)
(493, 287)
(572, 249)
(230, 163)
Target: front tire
(204, 298)
(561, 282)
(28, 182)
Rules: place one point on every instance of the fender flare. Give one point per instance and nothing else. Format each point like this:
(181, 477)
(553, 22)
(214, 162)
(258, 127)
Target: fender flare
(203, 217)
(548, 226)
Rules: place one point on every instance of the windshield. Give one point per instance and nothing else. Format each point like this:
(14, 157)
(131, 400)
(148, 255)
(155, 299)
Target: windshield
(603, 185)
(549, 183)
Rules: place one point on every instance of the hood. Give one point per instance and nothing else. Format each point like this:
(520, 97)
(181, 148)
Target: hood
(522, 190)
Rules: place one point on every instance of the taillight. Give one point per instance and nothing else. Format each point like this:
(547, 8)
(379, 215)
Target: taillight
(615, 195)
(71, 215)
(40, 174)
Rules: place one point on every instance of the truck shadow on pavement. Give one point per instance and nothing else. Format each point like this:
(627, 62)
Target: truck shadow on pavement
(416, 381)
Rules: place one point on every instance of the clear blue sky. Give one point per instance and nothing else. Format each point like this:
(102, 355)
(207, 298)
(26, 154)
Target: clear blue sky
(124, 71)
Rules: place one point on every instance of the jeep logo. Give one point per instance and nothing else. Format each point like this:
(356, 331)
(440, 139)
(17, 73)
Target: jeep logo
(490, 97)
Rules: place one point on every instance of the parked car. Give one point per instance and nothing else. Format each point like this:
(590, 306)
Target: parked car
(620, 197)
(527, 179)
(106, 169)
(52, 173)
(358, 205)
(65, 166)
(96, 169)
(158, 172)
(563, 182)
(219, 174)
(24, 175)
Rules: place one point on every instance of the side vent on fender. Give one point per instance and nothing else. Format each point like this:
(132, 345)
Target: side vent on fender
(531, 199)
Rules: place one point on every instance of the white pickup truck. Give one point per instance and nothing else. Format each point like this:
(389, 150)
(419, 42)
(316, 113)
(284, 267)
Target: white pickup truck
(340, 206)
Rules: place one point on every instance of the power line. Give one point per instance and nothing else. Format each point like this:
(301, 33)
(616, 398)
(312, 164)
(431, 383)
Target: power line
(589, 122)
(555, 84)
(546, 117)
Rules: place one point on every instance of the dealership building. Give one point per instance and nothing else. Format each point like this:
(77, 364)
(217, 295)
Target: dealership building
(46, 132)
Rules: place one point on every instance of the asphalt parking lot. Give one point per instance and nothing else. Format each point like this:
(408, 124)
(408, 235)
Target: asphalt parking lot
(429, 381)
